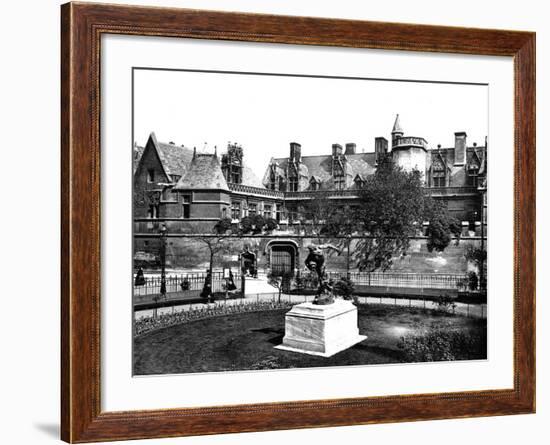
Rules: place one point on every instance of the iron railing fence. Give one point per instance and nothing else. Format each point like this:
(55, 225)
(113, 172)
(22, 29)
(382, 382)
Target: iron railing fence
(195, 281)
(185, 282)
(405, 279)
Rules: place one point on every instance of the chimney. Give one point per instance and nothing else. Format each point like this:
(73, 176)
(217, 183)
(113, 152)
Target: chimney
(380, 147)
(350, 148)
(460, 148)
(295, 152)
(336, 149)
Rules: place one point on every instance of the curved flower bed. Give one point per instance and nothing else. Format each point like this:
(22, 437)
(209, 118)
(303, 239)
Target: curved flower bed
(148, 324)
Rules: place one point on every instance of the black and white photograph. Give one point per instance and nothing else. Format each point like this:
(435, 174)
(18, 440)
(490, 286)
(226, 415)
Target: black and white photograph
(287, 220)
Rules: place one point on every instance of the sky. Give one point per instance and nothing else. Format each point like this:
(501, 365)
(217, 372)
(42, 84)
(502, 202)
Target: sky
(264, 113)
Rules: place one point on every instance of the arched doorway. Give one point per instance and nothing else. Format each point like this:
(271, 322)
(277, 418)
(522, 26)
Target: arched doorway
(283, 256)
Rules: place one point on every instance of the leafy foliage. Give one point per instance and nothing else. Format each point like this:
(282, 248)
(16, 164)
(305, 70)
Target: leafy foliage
(223, 226)
(344, 287)
(441, 226)
(446, 304)
(271, 224)
(444, 343)
(252, 224)
(478, 256)
(392, 204)
(473, 281)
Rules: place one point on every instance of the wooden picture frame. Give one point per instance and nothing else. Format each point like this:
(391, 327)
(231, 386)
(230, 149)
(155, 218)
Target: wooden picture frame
(82, 26)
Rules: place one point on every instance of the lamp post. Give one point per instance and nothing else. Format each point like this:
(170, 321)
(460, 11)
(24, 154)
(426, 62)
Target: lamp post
(163, 233)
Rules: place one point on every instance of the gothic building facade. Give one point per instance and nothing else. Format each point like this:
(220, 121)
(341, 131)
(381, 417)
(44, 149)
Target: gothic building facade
(190, 191)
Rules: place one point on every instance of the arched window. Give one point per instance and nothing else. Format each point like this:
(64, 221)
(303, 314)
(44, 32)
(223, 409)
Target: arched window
(473, 172)
(293, 184)
(339, 178)
(438, 174)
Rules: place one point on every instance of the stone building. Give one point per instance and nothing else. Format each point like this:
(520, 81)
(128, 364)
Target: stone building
(190, 191)
(455, 174)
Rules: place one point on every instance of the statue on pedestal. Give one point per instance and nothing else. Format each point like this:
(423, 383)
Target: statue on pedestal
(249, 263)
(315, 262)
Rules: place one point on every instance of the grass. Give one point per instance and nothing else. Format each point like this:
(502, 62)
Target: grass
(246, 341)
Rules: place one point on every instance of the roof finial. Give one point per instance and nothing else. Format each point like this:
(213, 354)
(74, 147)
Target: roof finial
(215, 150)
(194, 152)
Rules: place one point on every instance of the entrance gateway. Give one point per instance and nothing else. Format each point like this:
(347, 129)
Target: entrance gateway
(283, 256)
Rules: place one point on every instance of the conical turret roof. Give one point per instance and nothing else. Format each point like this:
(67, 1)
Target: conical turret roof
(397, 125)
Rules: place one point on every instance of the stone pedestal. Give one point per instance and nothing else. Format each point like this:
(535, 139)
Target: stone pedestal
(321, 330)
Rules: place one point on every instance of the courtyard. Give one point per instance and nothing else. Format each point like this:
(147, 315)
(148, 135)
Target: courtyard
(247, 340)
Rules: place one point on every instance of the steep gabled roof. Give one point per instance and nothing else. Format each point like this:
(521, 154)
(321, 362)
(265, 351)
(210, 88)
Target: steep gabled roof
(174, 158)
(320, 166)
(448, 154)
(138, 153)
(250, 178)
(204, 173)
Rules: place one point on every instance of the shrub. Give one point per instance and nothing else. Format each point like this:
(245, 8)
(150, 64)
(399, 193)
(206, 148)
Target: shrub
(222, 226)
(270, 362)
(299, 282)
(185, 284)
(258, 223)
(442, 343)
(446, 304)
(473, 281)
(345, 288)
(271, 224)
(246, 224)
(254, 224)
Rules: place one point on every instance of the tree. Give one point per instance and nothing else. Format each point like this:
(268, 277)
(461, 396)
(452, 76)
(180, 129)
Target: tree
(316, 214)
(478, 256)
(393, 203)
(280, 282)
(215, 245)
(441, 226)
(330, 221)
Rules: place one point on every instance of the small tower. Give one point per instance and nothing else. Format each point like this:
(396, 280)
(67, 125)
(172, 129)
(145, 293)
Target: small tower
(397, 132)
(232, 163)
(408, 152)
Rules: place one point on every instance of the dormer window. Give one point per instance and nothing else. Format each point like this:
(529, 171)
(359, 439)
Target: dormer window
(314, 183)
(473, 172)
(438, 175)
(359, 182)
(339, 183)
(293, 184)
(339, 178)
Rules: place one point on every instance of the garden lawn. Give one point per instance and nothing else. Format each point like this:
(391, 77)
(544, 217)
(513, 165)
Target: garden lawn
(246, 341)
